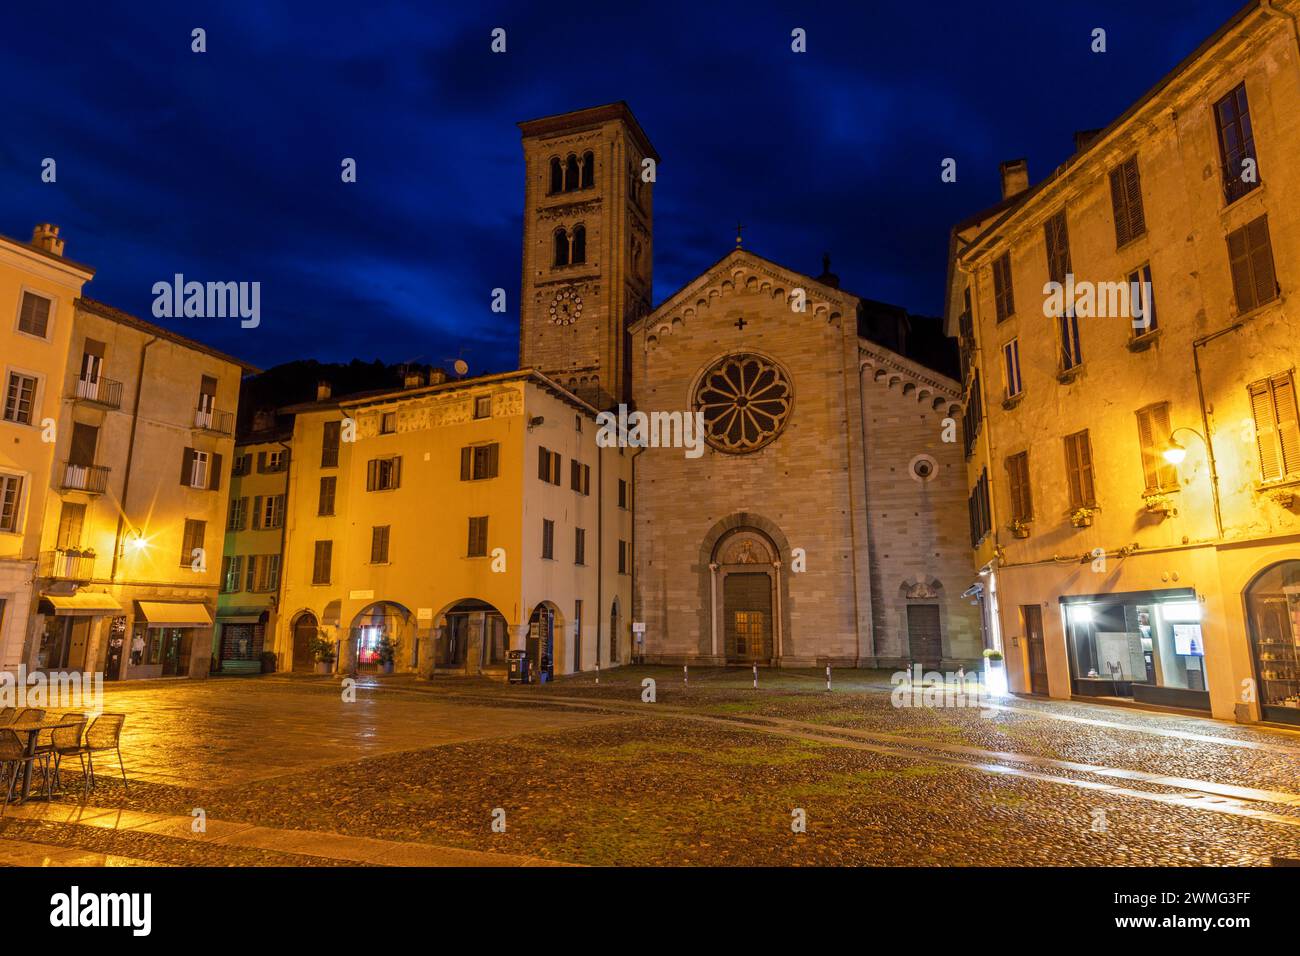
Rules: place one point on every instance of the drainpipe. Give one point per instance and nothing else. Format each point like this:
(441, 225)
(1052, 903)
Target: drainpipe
(130, 454)
(1205, 421)
(284, 546)
(600, 552)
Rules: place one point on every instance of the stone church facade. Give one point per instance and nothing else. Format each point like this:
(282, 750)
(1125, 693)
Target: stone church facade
(826, 520)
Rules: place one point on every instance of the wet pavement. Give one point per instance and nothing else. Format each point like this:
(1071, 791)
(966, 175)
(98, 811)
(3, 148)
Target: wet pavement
(712, 772)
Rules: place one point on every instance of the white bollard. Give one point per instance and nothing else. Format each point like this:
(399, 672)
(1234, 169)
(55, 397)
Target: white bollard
(828, 676)
(685, 677)
(598, 673)
(755, 677)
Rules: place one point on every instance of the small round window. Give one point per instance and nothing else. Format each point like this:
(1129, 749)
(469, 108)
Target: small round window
(923, 468)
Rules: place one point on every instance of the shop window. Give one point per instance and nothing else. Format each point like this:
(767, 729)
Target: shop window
(1273, 607)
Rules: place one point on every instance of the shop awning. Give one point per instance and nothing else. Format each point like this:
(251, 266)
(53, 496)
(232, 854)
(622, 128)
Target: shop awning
(175, 614)
(83, 602)
(239, 615)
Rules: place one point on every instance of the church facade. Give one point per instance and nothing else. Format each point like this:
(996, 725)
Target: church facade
(826, 520)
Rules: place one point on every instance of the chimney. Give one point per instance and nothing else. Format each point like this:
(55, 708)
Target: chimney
(1083, 137)
(413, 377)
(323, 391)
(263, 419)
(437, 376)
(1015, 177)
(46, 237)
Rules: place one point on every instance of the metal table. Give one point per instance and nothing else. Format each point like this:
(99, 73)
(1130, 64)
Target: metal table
(33, 728)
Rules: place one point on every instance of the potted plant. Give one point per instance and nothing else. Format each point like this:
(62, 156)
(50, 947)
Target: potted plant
(1018, 528)
(268, 662)
(322, 651)
(1157, 504)
(1081, 517)
(995, 674)
(387, 651)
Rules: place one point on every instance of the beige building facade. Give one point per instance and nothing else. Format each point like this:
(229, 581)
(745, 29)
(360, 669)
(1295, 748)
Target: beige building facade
(1133, 450)
(449, 524)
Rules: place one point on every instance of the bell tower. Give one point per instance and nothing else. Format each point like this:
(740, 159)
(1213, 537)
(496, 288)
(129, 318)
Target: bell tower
(588, 225)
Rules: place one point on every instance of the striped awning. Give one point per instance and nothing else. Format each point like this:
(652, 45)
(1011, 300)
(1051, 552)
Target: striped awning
(175, 613)
(81, 603)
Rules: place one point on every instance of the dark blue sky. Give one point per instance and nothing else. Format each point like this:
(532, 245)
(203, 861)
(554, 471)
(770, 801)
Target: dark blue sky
(225, 165)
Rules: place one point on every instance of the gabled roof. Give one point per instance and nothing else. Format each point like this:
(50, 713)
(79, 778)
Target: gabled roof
(105, 311)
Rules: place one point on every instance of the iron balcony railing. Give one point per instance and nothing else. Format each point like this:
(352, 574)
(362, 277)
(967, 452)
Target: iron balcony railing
(88, 478)
(68, 564)
(214, 420)
(99, 391)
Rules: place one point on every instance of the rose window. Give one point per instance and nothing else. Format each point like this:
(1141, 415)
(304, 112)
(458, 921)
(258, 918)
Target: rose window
(746, 401)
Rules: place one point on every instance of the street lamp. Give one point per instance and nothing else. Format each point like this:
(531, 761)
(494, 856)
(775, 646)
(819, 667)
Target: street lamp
(1173, 451)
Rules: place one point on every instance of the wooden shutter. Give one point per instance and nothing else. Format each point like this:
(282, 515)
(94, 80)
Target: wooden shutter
(1288, 427)
(543, 464)
(1126, 201)
(494, 460)
(214, 474)
(372, 473)
(1261, 260)
(1018, 475)
(187, 466)
(575, 474)
(466, 463)
(1002, 291)
(1261, 405)
(397, 472)
(35, 315)
(1243, 287)
(1058, 247)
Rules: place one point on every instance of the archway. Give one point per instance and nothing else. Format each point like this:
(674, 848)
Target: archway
(745, 597)
(1273, 612)
(305, 630)
(470, 635)
(373, 626)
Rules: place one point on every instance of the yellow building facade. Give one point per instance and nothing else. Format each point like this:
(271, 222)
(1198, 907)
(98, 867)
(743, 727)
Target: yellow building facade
(1133, 448)
(38, 289)
(131, 531)
(453, 523)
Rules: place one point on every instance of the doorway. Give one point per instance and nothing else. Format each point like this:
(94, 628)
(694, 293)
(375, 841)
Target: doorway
(305, 630)
(747, 616)
(1033, 618)
(924, 637)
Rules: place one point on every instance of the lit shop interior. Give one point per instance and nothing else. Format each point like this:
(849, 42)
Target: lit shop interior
(1144, 646)
(1273, 607)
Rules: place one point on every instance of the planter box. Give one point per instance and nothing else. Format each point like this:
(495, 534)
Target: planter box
(324, 667)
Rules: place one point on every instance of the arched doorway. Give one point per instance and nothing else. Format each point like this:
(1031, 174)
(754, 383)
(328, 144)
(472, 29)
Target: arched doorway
(305, 629)
(471, 635)
(746, 618)
(377, 624)
(1273, 609)
(542, 627)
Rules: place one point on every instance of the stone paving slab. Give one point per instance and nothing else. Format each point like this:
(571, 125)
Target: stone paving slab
(28, 854)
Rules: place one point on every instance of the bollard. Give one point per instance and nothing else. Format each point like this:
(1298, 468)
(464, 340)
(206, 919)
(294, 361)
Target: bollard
(755, 677)
(597, 673)
(685, 677)
(828, 676)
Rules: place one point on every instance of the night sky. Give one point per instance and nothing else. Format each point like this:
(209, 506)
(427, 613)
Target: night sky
(225, 165)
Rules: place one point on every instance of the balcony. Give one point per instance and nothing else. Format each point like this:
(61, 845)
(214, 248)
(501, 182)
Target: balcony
(92, 479)
(103, 392)
(69, 564)
(214, 420)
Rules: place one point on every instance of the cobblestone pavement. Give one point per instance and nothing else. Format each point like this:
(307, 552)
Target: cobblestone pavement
(712, 773)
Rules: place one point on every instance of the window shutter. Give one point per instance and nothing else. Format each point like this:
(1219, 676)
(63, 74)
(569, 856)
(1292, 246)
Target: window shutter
(1261, 405)
(1085, 470)
(1147, 440)
(1118, 206)
(372, 470)
(257, 512)
(1073, 470)
(1261, 260)
(1137, 223)
(214, 476)
(1288, 427)
(466, 463)
(494, 460)
(543, 464)
(397, 472)
(187, 466)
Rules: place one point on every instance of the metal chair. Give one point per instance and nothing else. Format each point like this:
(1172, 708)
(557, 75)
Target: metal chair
(8, 715)
(65, 742)
(13, 754)
(29, 713)
(103, 734)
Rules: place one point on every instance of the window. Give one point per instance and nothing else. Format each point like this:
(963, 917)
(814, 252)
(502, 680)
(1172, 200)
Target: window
(242, 465)
(557, 175)
(269, 462)
(379, 544)
(981, 522)
(973, 415)
(561, 247)
(20, 398)
(579, 546)
(1250, 256)
(1277, 434)
(1011, 365)
(325, 504)
(1022, 502)
(1078, 470)
(232, 566)
(34, 315)
(548, 538)
(548, 465)
(388, 423)
(1002, 295)
(624, 556)
(479, 461)
(579, 254)
(1126, 202)
(478, 528)
(588, 169)
(572, 174)
(622, 492)
(193, 554)
(1071, 351)
(238, 518)
(1236, 144)
(579, 477)
(11, 499)
(271, 512)
(320, 568)
(1058, 248)
(384, 474)
(263, 573)
(201, 469)
(1153, 432)
(72, 518)
(1142, 301)
(483, 406)
(329, 446)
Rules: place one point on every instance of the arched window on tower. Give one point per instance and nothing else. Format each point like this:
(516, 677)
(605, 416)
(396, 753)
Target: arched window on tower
(571, 174)
(561, 247)
(579, 244)
(588, 169)
(557, 175)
